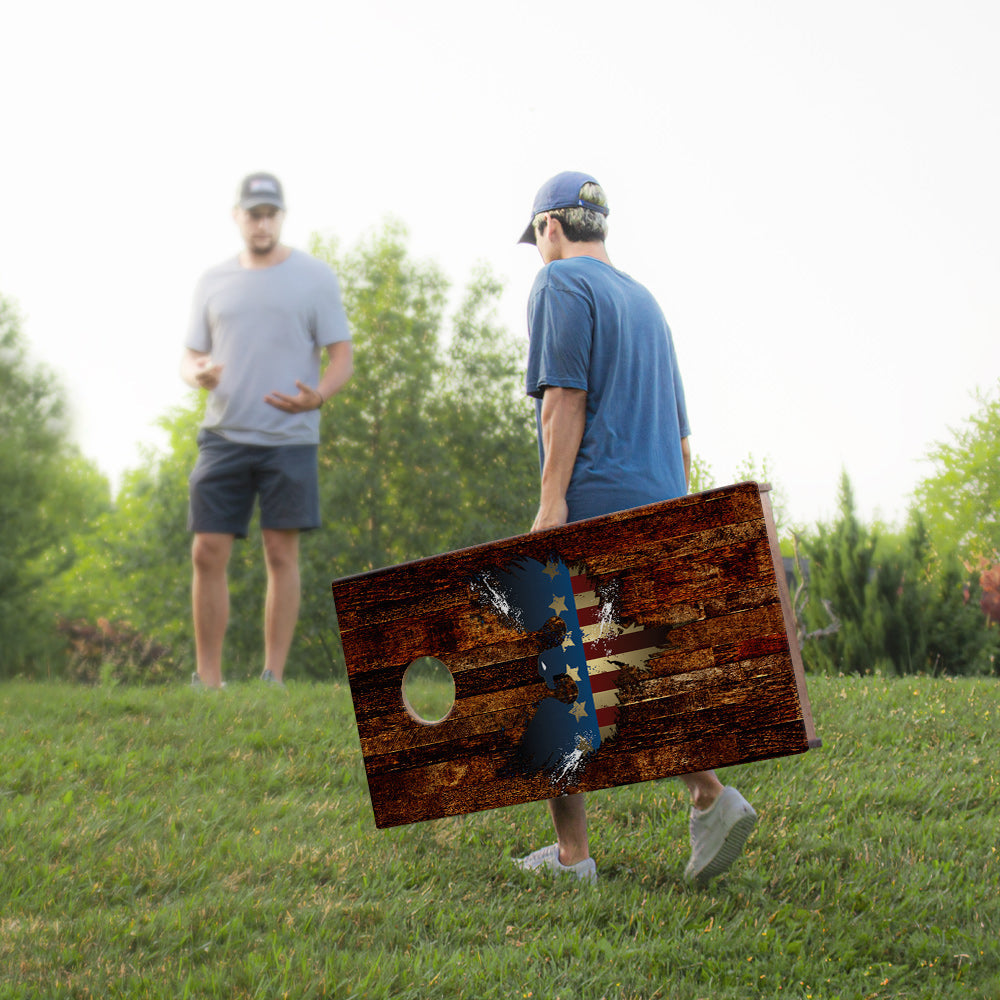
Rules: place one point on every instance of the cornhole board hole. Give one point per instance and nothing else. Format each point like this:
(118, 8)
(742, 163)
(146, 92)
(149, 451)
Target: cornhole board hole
(639, 645)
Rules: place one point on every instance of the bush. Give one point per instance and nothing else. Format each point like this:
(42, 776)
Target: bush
(902, 607)
(115, 652)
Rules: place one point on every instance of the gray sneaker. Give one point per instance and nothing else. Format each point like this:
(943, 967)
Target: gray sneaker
(196, 682)
(268, 678)
(548, 858)
(718, 835)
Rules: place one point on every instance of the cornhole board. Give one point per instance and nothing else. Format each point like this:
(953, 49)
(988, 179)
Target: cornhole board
(639, 645)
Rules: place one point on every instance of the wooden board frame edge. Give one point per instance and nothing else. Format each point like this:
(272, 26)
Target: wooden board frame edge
(789, 615)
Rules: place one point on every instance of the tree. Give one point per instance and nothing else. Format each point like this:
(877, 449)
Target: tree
(961, 500)
(133, 567)
(493, 465)
(899, 609)
(702, 476)
(49, 490)
(430, 447)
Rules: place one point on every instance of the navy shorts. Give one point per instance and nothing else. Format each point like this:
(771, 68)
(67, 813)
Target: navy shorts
(229, 476)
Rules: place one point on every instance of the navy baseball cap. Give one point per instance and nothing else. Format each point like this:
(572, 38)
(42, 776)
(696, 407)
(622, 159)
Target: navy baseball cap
(561, 191)
(261, 189)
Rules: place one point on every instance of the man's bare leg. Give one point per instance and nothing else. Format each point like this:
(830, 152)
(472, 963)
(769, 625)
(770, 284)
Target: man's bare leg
(704, 788)
(284, 590)
(210, 602)
(569, 817)
(569, 814)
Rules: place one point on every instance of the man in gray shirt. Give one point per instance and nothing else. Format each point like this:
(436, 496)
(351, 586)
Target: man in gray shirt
(259, 324)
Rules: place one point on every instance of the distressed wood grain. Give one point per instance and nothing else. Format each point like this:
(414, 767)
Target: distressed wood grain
(669, 647)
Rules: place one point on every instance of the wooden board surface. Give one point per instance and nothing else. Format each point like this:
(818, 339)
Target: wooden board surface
(640, 645)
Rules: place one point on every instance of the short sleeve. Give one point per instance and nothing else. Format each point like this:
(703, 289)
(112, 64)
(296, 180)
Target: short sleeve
(331, 323)
(560, 323)
(682, 417)
(199, 332)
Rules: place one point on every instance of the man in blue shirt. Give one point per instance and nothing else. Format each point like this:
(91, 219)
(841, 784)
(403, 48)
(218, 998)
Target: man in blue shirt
(612, 435)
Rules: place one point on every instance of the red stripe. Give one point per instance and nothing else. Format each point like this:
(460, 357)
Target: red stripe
(607, 681)
(607, 716)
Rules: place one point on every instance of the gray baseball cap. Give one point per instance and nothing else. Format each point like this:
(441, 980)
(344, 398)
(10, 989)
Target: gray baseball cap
(261, 189)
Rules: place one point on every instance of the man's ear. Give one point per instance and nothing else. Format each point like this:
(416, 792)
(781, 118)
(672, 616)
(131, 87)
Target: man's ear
(553, 230)
(556, 232)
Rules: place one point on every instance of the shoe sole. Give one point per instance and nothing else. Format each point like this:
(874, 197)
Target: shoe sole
(731, 849)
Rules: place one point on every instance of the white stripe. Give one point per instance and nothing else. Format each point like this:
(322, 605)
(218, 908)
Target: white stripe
(606, 699)
(638, 658)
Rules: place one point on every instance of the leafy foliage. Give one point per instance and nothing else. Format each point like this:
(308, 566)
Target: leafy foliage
(702, 476)
(961, 501)
(134, 569)
(50, 494)
(114, 652)
(430, 446)
(900, 609)
(989, 582)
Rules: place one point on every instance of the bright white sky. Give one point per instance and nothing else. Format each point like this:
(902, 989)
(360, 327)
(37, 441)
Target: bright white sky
(812, 191)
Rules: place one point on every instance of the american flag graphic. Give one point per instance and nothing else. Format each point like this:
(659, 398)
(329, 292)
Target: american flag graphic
(596, 644)
(609, 646)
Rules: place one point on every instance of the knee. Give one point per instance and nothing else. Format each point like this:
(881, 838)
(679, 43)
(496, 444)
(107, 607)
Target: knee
(210, 553)
(281, 552)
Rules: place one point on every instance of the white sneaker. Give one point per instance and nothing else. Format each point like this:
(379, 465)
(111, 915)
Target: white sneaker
(548, 857)
(196, 682)
(718, 835)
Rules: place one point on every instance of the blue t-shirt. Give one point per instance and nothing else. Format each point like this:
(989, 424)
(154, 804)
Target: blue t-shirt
(594, 328)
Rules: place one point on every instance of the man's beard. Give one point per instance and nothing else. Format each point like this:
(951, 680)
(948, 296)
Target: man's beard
(263, 249)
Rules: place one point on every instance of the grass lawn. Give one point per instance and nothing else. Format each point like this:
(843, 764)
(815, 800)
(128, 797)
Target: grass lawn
(173, 843)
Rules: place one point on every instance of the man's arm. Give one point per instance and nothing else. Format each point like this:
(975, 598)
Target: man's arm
(198, 371)
(686, 455)
(340, 365)
(564, 416)
(339, 368)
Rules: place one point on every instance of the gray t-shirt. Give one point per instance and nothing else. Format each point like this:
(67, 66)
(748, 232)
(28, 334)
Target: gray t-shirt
(266, 327)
